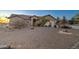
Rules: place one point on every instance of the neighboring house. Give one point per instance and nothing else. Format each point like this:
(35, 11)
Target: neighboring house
(76, 19)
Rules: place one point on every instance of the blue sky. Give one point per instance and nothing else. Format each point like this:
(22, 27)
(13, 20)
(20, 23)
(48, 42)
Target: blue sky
(55, 13)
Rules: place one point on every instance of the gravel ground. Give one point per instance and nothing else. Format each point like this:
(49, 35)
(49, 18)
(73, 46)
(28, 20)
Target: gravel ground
(39, 38)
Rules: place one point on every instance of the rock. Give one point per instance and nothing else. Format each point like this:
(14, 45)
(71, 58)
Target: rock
(65, 32)
(5, 47)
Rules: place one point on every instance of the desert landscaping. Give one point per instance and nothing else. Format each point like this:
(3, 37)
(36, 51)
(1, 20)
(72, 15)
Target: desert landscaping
(38, 32)
(39, 38)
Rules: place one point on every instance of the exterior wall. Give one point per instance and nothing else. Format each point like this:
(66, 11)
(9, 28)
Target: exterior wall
(32, 20)
(47, 24)
(15, 21)
(50, 23)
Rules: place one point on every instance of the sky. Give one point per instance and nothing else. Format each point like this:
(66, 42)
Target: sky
(56, 13)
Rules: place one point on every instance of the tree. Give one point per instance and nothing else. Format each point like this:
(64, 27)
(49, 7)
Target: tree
(58, 19)
(64, 20)
(71, 21)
